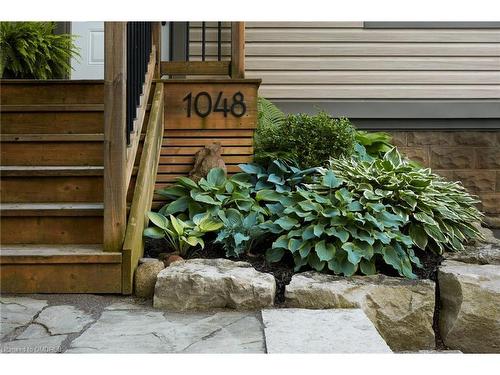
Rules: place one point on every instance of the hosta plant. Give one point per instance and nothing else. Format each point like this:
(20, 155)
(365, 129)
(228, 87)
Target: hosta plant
(180, 234)
(280, 175)
(336, 229)
(239, 231)
(210, 195)
(438, 214)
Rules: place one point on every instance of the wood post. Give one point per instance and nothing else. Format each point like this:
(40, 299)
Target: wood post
(237, 50)
(157, 42)
(115, 143)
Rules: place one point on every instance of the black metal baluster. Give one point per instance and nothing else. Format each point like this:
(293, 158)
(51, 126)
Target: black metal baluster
(203, 40)
(187, 41)
(219, 41)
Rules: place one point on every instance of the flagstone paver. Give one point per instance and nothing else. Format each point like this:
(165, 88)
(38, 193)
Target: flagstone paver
(18, 311)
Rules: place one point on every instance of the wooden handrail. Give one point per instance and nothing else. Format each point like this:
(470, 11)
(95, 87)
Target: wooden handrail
(133, 246)
(118, 158)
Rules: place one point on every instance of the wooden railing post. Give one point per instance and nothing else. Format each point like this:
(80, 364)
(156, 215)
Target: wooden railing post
(237, 49)
(156, 31)
(115, 143)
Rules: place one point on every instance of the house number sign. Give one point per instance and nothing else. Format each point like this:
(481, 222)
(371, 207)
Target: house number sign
(206, 104)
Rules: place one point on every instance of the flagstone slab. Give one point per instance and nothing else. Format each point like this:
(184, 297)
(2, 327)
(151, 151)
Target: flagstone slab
(321, 331)
(143, 331)
(63, 319)
(49, 344)
(18, 311)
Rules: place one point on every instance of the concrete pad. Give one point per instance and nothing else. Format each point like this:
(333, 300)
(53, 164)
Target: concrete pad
(321, 331)
(120, 331)
(18, 311)
(63, 319)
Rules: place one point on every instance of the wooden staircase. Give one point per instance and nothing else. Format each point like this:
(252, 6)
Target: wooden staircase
(51, 189)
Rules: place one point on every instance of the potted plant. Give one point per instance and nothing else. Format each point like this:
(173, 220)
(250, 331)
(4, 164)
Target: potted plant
(31, 50)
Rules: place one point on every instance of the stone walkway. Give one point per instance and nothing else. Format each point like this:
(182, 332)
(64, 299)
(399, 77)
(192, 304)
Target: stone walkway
(113, 324)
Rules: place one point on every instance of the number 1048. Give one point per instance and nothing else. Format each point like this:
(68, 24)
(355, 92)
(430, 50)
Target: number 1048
(202, 104)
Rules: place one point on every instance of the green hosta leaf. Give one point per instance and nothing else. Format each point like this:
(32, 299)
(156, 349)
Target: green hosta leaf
(382, 237)
(178, 225)
(294, 244)
(424, 218)
(324, 251)
(341, 234)
(154, 232)
(281, 242)
(309, 206)
(330, 180)
(353, 252)
(367, 267)
(275, 179)
(268, 195)
(216, 177)
(343, 195)
(318, 229)
(251, 168)
(305, 249)
(354, 206)
(364, 249)
(330, 212)
(179, 205)
(393, 157)
(159, 220)
(173, 191)
(203, 198)
(434, 232)
(418, 235)
(208, 224)
(274, 255)
(239, 238)
(193, 241)
(308, 233)
(286, 222)
(391, 258)
(315, 262)
(187, 182)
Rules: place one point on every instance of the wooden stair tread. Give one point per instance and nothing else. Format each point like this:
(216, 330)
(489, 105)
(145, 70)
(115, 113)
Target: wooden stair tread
(57, 254)
(52, 108)
(40, 171)
(51, 209)
(51, 137)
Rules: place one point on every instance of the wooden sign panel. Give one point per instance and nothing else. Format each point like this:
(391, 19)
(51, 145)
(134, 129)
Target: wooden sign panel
(211, 104)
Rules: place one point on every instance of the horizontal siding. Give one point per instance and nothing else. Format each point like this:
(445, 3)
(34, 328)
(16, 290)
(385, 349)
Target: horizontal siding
(335, 60)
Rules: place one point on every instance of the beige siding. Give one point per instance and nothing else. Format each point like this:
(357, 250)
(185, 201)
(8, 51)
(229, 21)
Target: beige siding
(339, 60)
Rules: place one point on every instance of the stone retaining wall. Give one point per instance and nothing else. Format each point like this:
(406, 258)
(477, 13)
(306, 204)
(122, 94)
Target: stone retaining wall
(472, 157)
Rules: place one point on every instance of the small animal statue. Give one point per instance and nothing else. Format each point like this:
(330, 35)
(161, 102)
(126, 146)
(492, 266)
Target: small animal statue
(206, 159)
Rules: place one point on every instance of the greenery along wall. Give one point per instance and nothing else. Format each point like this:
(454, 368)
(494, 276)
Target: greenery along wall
(31, 50)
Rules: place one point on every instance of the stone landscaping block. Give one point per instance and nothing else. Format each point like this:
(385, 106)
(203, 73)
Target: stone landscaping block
(145, 278)
(470, 306)
(480, 254)
(321, 331)
(200, 284)
(402, 310)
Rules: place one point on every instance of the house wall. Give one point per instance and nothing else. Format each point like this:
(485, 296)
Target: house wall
(346, 60)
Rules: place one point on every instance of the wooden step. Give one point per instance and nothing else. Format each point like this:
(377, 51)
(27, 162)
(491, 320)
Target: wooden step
(60, 223)
(55, 122)
(19, 92)
(50, 171)
(79, 269)
(52, 107)
(81, 150)
(38, 184)
(99, 137)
